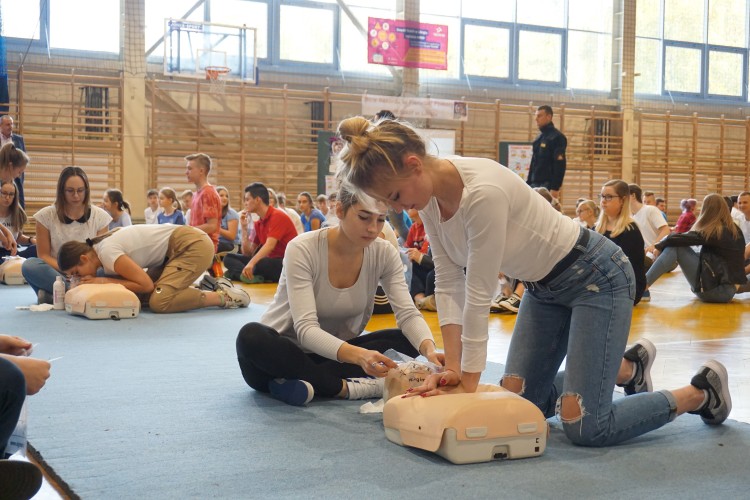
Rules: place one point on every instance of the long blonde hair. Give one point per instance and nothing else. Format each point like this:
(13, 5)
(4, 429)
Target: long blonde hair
(624, 219)
(715, 218)
(374, 152)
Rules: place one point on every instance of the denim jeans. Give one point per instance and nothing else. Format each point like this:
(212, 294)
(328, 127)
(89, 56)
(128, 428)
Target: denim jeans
(689, 261)
(39, 274)
(12, 396)
(584, 314)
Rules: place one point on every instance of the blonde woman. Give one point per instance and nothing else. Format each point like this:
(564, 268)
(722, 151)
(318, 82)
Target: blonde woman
(616, 223)
(587, 213)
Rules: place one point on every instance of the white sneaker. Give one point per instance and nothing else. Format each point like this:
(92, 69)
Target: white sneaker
(365, 387)
(234, 297)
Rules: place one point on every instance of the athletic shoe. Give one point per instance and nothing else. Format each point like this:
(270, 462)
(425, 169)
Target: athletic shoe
(427, 303)
(495, 304)
(646, 297)
(211, 284)
(511, 304)
(642, 354)
(293, 392)
(713, 379)
(365, 387)
(44, 297)
(234, 297)
(19, 479)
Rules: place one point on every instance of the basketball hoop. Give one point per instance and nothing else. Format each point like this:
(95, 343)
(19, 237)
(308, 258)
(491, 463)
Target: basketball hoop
(216, 76)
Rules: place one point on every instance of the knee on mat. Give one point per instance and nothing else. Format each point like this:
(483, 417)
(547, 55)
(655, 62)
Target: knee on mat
(514, 384)
(571, 411)
(159, 301)
(248, 336)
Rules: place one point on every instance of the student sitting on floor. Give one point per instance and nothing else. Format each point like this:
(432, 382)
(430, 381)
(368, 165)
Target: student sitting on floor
(12, 220)
(309, 341)
(229, 234)
(152, 210)
(171, 210)
(72, 217)
(311, 217)
(175, 257)
(263, 247)
(116, 206)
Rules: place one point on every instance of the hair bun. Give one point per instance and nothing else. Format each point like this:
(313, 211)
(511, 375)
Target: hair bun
(354, 131)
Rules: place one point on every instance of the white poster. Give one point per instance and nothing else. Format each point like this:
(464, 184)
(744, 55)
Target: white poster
(416, 107)
(519, 159)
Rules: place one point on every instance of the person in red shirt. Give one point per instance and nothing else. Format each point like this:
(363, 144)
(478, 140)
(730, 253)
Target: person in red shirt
(262, 256)
(205, 211)
(422, 286)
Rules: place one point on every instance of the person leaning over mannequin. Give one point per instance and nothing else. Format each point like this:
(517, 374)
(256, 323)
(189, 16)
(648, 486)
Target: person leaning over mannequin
(482, 219)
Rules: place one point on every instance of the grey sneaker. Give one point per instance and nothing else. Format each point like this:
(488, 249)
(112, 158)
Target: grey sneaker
(234, 297)
(495, 304)
(511, 304)
(642, 354)
(712, 377)
(44, 297)
(365, 387)
(211, 284)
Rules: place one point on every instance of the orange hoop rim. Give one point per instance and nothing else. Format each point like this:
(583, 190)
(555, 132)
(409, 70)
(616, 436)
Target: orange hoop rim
(215, 72)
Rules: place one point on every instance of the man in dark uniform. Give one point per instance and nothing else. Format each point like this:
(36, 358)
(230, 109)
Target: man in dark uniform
(548, 159)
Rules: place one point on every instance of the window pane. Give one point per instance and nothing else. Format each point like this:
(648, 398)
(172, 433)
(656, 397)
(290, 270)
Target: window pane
(590, 16)
(682, 69)
(539, 56)
(486, 51)
(440, 7)
(589, 61)
(25, 16)
(354, 43)
(683, 20)
(725, 73)
(541, 12)
(648, 18)
(239, 12)
(454, 46)
(65, 25)
(306, 34)
(726, 23)
(159, 10)
(389, 5)
(498, 10)
(647, 66)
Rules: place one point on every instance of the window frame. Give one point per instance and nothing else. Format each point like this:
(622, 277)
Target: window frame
(511, 52)
(274, 51)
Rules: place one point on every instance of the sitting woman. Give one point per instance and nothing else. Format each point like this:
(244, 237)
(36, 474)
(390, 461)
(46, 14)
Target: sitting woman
(175, 257)
(72, 217)
(722, 243)
(587, 213)
(311, 217)
(116, 206)
(616, 223)
(12, 220)
(309, 339)
(229, 235)
(171, 210)
(687, 218)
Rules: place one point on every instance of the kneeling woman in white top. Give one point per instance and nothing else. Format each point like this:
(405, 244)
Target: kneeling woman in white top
(309, 340)
(175, 257)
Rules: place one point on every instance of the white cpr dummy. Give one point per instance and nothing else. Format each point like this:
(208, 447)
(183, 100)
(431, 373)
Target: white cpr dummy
(10, 270)
(102, 301)
(490, 424)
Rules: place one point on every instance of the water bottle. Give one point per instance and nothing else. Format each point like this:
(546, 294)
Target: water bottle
(58, 294)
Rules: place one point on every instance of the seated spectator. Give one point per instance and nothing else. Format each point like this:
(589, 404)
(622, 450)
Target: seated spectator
(312, 218)
(661, 204)
(262, 257)
(71, 217)
(587, 213)
(722, 245)
(649, 198)
(616, 223)
(152, 210)
(321, 203)
(331, 219)
(417, 250)
(170, 208)
(743, 218)
(650, 221)
(13, 163)
(292, 213)
(117, 207)
(12, 220)
(687, 218)
(186, 199)
(229, 235)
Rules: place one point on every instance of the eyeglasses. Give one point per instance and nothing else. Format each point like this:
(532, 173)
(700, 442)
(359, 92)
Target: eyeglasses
(5, 194)
(607, 197)
(79, 191)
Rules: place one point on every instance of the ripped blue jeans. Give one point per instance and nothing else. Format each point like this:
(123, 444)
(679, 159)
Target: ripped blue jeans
(584, 314)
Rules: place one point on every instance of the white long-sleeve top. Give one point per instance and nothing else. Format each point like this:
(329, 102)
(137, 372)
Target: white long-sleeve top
(319, 317)
(501, 225)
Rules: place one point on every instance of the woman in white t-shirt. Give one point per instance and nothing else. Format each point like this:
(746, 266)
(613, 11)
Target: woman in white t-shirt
(309, 341)
(482, 220)
(175, 257)
(71, 217)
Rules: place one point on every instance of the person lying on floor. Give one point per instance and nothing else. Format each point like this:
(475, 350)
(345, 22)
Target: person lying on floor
(174, 255)
(309, 341)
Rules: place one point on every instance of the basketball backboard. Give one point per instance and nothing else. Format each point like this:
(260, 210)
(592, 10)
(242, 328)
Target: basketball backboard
(191, 46)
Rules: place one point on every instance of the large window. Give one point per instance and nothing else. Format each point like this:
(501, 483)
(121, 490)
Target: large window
(692, 48)
(20, 19)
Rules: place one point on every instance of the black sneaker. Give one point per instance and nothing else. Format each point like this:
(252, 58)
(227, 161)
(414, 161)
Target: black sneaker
(511, 304)
(712, 377)
(642, 354)
(211, 284)
(19, 479)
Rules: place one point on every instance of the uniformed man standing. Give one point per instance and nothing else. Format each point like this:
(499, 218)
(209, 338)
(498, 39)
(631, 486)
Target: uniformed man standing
(548, 159)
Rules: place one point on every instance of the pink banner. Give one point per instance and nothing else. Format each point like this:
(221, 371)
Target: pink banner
(407, 43)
